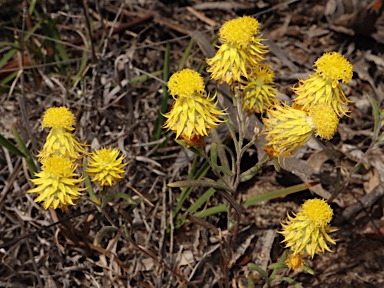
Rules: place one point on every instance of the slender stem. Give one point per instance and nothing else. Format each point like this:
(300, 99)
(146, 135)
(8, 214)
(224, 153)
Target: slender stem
(217, 173)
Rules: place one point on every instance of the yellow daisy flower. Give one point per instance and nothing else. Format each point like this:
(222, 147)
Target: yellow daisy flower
(191, 118)
(186, 83)
(57, 184)
(308, 229)
(105, 166)
(240, 48)
(259, 91)
(60, 140)
(58, 117)
(288, 128)
(324, 120)
(324, 86)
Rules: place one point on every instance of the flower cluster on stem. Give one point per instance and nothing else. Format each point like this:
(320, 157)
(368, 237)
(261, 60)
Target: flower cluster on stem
(307, 231)
(316, 110)
(58, 186)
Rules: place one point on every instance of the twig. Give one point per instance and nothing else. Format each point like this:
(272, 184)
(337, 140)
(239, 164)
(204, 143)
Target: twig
(362, 204)
(22, 99)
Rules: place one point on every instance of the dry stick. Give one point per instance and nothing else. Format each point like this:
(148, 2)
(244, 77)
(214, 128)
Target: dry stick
(109, 35)
(79, 40)
(31, 256)
(11, 178)
(363, 203)
(30, 234)
(22, 99)
(86, 14)
(149, 253)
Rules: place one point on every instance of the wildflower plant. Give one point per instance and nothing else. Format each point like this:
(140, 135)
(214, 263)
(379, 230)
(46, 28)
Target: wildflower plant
(318, 104)
(58, 185)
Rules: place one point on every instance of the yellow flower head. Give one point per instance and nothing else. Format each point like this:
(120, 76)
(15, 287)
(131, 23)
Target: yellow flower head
(259, 91)
(191, 118)
(334, 66)
(324, 120)
(105, 166)
(58, 117)
(185, 83)
(324, 86)
(62, 142)
(308, 229)
(240, 48)
(286, 129)
(57, 184)
(295, 261)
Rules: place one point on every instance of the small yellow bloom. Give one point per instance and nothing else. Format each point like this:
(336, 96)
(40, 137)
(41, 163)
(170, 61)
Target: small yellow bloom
(57, 184)
(308, 229)
(240, 48)
(295, 261)
(62, 142)
(185, 83)
(191, 118)
(334, 66)
(324, 86)
(324, 120)
(259, 91)
(58, 117)
(286, 129)
(105, 166)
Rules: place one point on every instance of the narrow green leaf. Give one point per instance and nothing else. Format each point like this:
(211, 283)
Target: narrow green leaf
(88, 184)
(201, 200)
(7, 56)
(83, 65)
(164, 97)
(376, 116)
(260, 271)
(186, 191)
(251, 172)
(292, 282)
(212, 211)
(10, 146)
(201, 183)
(213, 154)
(277, 266)
(278, 193)
(186, 54)
(102, 233)
(308, 269)
(23, 148)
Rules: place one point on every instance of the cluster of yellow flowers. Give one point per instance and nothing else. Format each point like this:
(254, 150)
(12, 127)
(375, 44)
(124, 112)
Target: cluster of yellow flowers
(307, 232)
(237, 63)
(316, 109)
(58, 185)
